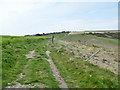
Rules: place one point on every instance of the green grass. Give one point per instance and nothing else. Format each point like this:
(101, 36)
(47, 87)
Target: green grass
(39, 71)
(14, 50)
(76, 72)
(90, 40)
(0, 62)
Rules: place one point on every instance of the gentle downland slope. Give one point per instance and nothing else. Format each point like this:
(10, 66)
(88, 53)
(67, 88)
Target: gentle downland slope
(25, 63)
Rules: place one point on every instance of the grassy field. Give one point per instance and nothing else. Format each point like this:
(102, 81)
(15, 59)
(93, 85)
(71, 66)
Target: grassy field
(90, 40)
(76, 72)
(80, 74)
(14, 61)
(1, 62)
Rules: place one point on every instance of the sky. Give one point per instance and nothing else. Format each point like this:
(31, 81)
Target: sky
(25, 17)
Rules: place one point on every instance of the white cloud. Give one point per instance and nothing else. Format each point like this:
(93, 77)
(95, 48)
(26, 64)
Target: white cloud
(9, 10)
(31, 1)
(29, 17)
(82, 24)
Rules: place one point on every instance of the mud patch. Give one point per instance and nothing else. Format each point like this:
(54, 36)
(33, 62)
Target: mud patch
(31, 55)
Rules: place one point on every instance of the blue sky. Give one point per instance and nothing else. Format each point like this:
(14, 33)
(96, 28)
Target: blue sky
(21, 18)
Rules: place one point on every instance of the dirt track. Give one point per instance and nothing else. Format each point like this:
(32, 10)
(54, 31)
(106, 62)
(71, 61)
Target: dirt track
(56, 72)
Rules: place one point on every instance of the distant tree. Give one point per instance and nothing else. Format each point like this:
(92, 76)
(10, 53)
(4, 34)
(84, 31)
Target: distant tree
(90, 32)
(63, 31)
(43, 33)
(37, 34)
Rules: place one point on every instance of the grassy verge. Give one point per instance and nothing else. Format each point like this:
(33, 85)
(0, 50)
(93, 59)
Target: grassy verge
(0, 62)
(14, 61)
(38, 70)
(80, 74)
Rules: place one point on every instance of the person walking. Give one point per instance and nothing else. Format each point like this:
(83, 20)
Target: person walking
(52, 39)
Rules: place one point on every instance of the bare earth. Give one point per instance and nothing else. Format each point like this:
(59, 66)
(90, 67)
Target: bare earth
(17, 84)
(30, 55)
(107, 58)
(53, 67)
(56, 72)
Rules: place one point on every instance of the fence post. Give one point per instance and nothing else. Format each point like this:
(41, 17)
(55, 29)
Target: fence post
(65, 44)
